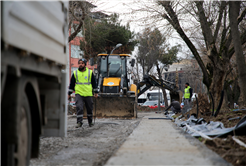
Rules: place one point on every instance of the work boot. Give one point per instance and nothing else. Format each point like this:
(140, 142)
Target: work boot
(91, 124)
(79, 124)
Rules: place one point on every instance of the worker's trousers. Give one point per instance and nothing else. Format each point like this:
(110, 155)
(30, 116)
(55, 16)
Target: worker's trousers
(79, 102)
(186, 102)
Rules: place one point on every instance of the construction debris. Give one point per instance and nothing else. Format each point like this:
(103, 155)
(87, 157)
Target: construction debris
(71, 110)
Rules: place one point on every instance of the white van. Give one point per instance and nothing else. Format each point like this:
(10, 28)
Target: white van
(153, 95)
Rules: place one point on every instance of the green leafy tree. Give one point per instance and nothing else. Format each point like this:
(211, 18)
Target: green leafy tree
(101, 37)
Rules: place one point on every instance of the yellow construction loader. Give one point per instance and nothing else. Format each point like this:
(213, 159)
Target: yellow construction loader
(117, 94)
(117, 97)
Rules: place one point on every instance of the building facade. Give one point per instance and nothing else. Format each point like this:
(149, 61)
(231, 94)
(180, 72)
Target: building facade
(186, 71)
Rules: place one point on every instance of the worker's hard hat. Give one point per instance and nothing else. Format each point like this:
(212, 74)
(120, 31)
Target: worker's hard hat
(84, 60)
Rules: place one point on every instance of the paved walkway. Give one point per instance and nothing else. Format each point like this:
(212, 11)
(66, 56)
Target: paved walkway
(160, 142)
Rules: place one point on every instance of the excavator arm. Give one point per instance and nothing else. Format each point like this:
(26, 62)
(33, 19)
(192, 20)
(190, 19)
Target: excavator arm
(149, 81)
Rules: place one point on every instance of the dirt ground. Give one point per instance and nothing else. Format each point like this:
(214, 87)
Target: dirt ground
(227, 147)
(90, 146)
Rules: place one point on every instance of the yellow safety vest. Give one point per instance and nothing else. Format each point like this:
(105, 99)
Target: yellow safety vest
(187, 92)
(83, 85)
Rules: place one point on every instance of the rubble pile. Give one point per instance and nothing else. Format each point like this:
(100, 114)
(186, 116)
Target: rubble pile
(224, 134)
(71, 110)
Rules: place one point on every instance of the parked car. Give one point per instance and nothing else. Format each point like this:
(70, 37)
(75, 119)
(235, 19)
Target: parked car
(153, 104)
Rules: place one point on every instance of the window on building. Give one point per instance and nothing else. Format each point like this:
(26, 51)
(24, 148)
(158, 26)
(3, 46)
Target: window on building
(73, 69)
(76, 52)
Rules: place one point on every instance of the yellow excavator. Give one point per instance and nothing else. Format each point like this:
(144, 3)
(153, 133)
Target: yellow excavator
(118, 95)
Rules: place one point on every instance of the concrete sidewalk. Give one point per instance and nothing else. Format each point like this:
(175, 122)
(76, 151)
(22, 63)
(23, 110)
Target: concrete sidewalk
(160, 142)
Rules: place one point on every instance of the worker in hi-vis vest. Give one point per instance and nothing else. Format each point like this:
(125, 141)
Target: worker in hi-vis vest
(187, 94)
(83, 82)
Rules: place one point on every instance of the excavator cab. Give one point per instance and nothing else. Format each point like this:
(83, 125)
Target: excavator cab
(112, 74)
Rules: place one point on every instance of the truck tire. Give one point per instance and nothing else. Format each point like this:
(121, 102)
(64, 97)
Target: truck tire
(19, 154)
(22, 151)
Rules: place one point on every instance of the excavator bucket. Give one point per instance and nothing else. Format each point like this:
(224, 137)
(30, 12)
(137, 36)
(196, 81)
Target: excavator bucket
(114, 107)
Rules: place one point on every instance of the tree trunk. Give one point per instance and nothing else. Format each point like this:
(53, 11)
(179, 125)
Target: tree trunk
(165, 97)
(216, 86)
(73, 35)
(236, 91)
(226, 101)
(163, 89)
(241, 65)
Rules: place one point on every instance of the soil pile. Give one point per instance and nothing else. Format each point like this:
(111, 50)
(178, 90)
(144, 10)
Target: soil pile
(229, 149)
(229, 119)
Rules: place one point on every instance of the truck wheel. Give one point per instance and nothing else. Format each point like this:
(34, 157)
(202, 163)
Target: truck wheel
(23, 148)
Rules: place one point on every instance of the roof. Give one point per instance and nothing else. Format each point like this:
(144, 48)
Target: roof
(98, 15)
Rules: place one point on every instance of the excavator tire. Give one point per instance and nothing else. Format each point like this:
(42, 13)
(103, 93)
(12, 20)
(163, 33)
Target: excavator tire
(114, 107)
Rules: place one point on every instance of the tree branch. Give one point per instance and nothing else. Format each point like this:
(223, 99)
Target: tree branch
(225, 43)
(206, 30)
(73, 35)
(81, 21)
(229, 38)
(241, 16)
(173, 20)
(222, 7)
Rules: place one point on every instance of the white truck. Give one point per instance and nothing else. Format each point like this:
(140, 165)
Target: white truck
(33, 84)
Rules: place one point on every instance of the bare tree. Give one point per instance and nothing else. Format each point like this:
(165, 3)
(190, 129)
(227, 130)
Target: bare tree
(155, 53)
(78, 11)
(203, 26)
